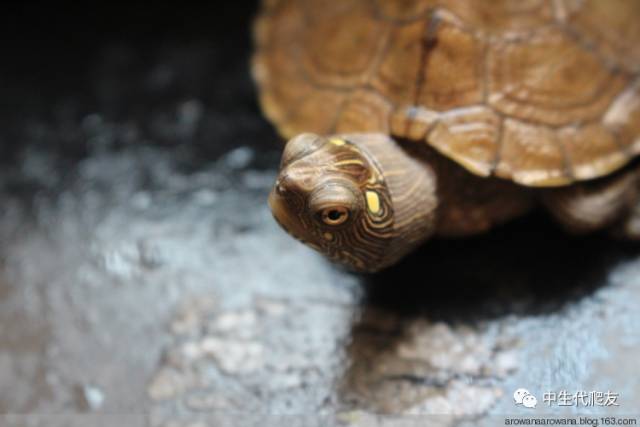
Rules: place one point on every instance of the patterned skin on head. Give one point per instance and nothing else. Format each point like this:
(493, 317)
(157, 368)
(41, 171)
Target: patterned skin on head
(332, 197)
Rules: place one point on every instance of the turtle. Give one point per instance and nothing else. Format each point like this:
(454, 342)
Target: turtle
(413, 119)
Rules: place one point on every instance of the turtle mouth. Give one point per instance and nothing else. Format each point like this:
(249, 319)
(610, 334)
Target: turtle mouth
(282, 214)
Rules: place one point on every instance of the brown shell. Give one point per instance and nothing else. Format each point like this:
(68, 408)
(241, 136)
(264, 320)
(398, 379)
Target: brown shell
(543, 92)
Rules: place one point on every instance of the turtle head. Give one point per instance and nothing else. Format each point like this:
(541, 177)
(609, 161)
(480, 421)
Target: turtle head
(332, 194)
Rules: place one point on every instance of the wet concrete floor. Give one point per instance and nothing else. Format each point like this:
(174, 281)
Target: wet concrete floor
(144, 282)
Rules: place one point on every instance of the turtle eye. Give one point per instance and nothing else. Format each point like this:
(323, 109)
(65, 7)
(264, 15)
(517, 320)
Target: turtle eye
(334, 215)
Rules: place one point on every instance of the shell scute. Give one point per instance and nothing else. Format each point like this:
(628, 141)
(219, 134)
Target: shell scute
(541, 92)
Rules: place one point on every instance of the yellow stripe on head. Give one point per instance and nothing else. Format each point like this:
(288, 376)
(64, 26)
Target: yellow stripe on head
(349, 162)
(337, 141)
(373, 202)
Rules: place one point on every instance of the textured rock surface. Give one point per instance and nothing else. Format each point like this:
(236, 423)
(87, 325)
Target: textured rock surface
(143, 281)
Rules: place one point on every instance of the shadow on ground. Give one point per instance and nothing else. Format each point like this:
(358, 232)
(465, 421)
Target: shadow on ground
(526, 267)
(431, 330)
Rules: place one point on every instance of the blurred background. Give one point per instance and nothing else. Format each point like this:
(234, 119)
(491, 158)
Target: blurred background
(144, 282)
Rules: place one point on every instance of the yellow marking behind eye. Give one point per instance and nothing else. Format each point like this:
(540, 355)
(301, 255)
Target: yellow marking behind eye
(373, 202)
(328, 236)
(337, 141)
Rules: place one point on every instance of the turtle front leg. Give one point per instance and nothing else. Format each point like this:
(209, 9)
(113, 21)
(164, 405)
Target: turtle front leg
(591, 206)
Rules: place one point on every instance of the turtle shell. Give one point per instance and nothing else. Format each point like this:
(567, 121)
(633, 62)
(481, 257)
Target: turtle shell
(541, 92)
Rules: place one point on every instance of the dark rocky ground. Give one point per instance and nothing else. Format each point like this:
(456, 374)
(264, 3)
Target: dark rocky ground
(143, 281)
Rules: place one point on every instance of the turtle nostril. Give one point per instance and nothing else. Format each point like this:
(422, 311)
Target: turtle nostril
(277, 186)
(280, 189)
